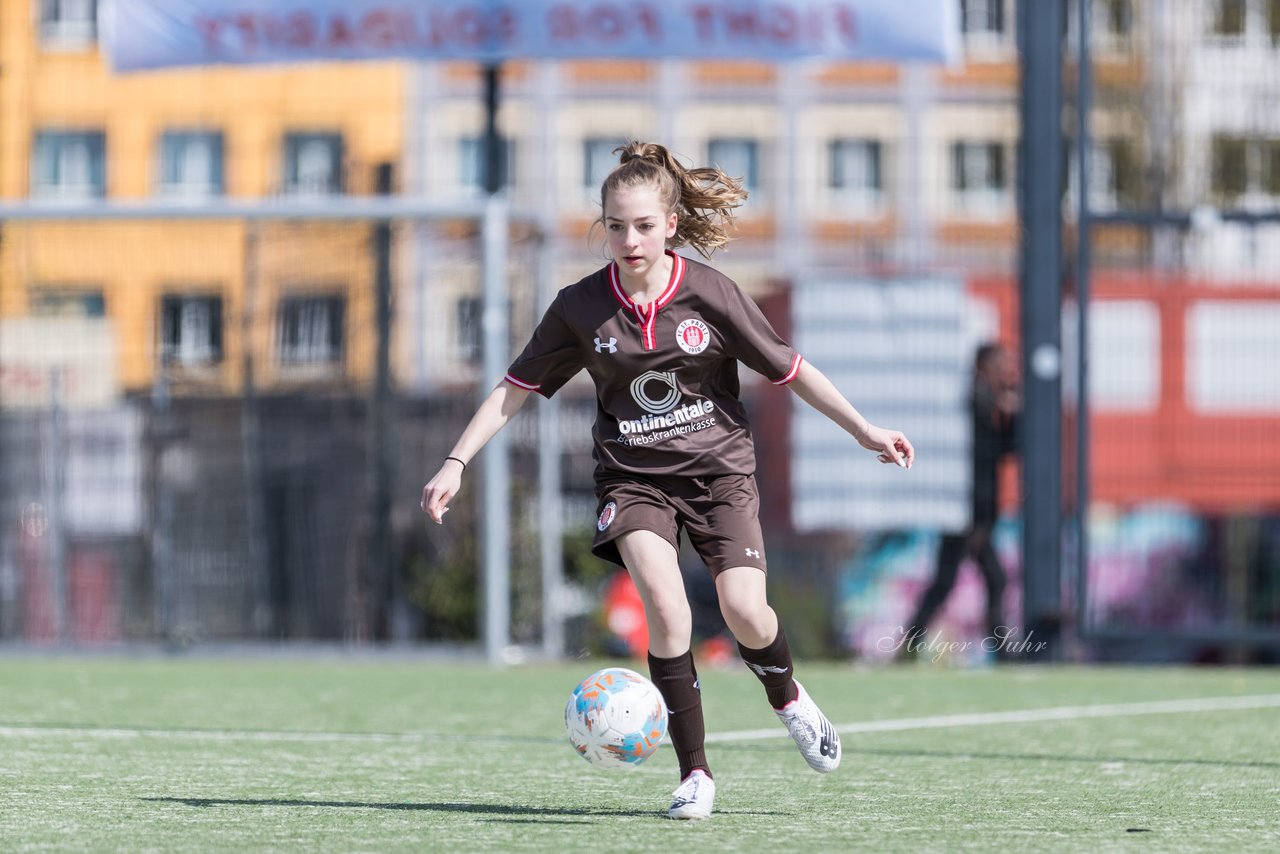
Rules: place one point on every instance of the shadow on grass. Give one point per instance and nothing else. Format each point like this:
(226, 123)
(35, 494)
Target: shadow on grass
(443, 806)
(499, 811)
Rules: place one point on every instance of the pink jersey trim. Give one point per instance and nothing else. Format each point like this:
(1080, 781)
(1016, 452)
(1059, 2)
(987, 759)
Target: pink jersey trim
(648, 322)
(677, 276)
(616, 286)
(791, 374)
(522, 384)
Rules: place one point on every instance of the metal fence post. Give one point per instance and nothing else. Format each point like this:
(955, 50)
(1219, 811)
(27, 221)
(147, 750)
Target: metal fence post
(495, 518)
(1040, 167)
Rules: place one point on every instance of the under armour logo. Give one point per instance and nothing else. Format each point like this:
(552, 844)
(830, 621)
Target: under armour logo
(752, 553)
(610, 346)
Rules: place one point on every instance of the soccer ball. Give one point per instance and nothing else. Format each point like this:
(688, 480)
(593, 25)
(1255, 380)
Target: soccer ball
(616, 718)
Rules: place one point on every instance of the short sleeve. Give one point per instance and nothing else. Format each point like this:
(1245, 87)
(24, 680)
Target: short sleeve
(552, 356)
(753, 341)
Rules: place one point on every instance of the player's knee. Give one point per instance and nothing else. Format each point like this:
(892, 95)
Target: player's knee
(669, 615)
(746, 618)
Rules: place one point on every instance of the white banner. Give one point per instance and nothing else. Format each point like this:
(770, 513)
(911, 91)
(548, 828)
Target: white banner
(140, 34)
(57, 361)
(901, 350)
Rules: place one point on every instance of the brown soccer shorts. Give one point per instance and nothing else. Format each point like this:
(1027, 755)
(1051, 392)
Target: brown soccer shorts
(719, 515)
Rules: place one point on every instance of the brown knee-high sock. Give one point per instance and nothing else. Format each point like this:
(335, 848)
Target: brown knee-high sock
(773, 667)
(677, 679)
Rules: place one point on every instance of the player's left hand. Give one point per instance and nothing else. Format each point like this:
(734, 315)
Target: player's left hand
(892, 446)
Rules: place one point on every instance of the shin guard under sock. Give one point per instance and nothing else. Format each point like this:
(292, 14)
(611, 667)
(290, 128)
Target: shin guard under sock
(774, 668)
(677, 679)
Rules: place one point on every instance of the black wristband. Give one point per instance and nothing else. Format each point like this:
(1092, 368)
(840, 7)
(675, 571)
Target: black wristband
(461, 462)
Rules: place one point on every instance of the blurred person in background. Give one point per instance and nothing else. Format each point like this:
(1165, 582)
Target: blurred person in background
(662, 337)
(994, 404)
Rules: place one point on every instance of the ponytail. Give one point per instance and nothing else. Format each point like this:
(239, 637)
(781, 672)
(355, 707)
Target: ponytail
(703, 198)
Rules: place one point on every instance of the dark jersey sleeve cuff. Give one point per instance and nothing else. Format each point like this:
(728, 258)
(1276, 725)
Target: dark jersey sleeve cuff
(518, 383)
(791, 372)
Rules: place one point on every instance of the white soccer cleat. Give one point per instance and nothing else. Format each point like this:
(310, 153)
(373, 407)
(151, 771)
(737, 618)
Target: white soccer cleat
(817, 739)
(694, 798)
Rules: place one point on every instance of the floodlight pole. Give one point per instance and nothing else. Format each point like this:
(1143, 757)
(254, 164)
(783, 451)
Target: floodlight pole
(1041, 273)
(495, 517)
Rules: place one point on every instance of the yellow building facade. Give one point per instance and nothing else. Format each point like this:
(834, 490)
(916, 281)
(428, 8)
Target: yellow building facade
(855, 168)
(187, 295)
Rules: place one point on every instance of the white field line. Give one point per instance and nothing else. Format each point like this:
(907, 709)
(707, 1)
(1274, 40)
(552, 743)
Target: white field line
(1054, 713)
(107, 733)
(1024, 716)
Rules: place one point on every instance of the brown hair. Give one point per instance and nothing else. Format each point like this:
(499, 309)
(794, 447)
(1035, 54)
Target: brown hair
(703, 198)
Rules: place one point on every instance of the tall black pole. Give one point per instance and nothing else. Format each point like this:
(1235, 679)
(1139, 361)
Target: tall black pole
(492, 155)
(271, 615)
(495, 491)
(1084, 265)
(381, 575)
(1040, 166)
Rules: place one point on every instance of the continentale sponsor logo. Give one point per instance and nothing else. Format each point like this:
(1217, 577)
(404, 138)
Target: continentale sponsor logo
(686, 414)
(658, 394)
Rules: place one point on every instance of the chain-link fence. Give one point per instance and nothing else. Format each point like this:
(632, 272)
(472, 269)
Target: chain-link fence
(1183, 290)
(197, 461)
(218, 427)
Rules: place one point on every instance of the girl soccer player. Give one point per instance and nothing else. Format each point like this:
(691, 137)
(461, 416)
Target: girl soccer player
(661, 336)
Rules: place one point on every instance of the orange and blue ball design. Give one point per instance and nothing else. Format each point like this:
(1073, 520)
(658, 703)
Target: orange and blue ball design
(615, 718)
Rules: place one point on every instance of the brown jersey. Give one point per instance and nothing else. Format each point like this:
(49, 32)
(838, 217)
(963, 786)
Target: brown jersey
(666, 374)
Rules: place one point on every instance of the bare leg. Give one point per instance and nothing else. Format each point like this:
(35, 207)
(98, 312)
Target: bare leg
(745, 607)
(655, 568)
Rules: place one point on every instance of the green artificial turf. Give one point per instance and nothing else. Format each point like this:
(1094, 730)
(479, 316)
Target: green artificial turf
(327, 753)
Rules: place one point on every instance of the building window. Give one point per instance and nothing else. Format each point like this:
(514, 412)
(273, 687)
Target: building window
(1229, 176)
(190, 329)
(982, 16)
(979, 177)
(313, 163)
(1113, 175)
(68, 24)
(191, 164)
(1242, 166)
(1269, 157)
(69, 165)
(982, 22)
(855, 172)
(1112, 25)
(471, 165)
(1229, 18)
(598, 160)
(1115, 18)
(67, 302)
(738, 158)
(311, 330)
